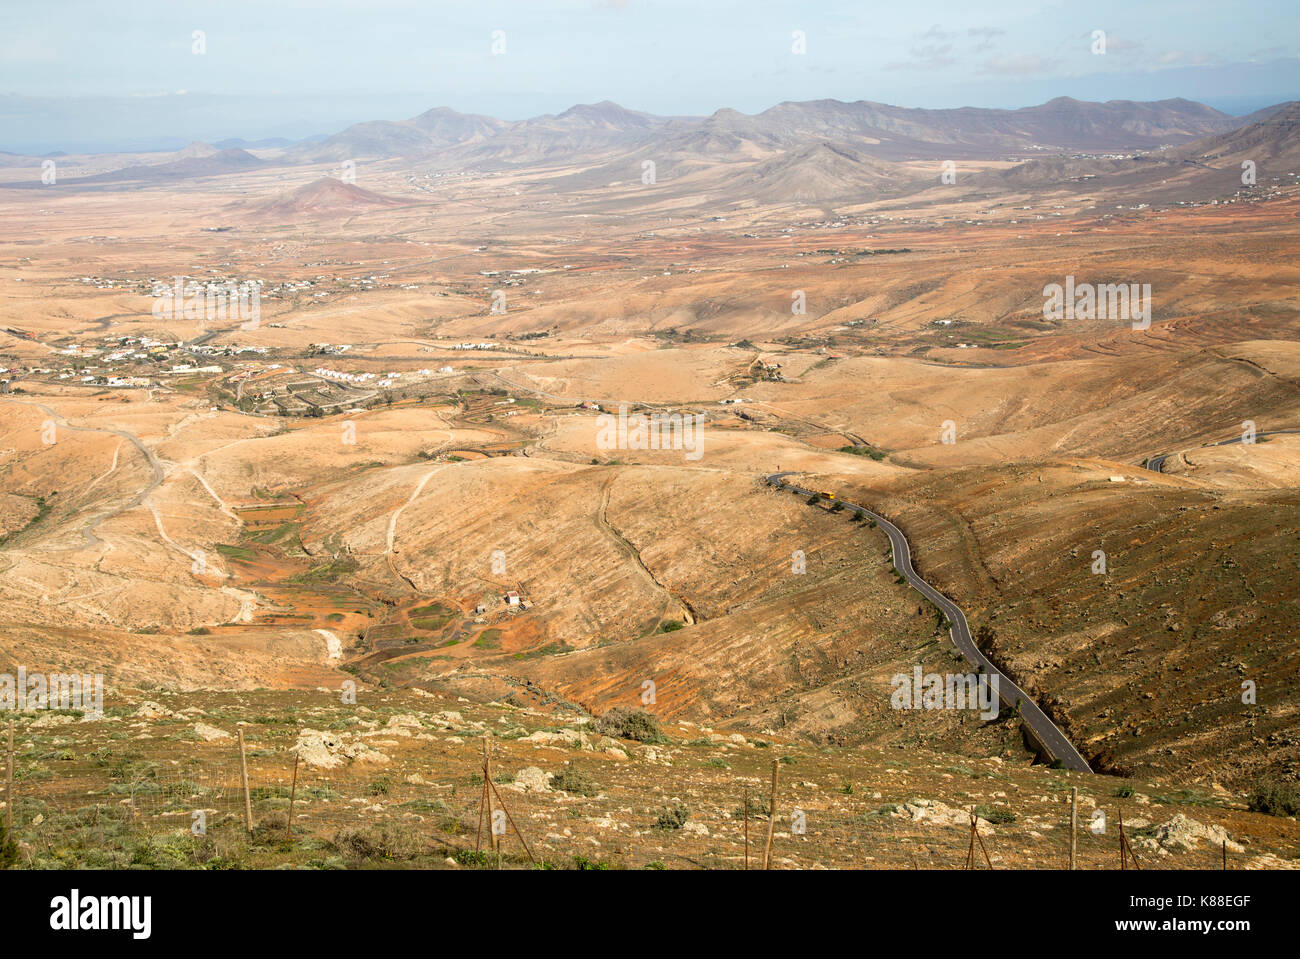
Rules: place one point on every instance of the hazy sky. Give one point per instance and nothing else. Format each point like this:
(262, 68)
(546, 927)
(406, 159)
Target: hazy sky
(86, 74)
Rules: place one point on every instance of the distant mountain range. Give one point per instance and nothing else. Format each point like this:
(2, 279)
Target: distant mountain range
(434, 130)
(876, 129)
(815, 152)
(193, 162)
(1210, 166)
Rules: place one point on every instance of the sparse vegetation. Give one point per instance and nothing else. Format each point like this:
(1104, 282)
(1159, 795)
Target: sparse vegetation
(8, 849)
(634, 724)
(997, 815)
(574, 781)
(1276, 799)
(875, 454)
(386, 843)
(674, 817)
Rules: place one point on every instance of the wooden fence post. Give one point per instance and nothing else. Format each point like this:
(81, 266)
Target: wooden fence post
(243, 778)
(487, 799)
(293, 791)
(513, 825)
(746, 827)
(1125, 848)
(488, 808)
(1123, 853)
(975, 837)
(9, 785)
(771, 817)
(1074, 823)
(482, 808)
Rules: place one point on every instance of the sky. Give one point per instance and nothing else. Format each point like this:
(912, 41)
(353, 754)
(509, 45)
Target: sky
(81, 75)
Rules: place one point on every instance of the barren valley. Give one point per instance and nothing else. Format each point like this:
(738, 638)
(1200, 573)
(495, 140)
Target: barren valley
(419, 464)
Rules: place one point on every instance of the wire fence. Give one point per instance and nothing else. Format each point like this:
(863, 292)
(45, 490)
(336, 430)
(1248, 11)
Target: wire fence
(159, 795)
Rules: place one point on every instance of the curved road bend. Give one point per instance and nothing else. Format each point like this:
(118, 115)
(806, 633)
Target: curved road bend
(1043, 728)
(1157, 463)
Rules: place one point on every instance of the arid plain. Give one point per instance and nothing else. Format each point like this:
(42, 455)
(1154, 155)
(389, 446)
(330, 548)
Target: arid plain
(397, 473)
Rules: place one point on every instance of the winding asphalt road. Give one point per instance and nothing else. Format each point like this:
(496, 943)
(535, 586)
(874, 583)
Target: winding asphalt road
(1051, 738)
(1157, 463)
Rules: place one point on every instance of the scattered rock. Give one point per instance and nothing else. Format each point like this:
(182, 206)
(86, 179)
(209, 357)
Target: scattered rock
(328, 750)
(1182, 832)
(209, 733)
(52, 719)
(530, 779)
(404, 720)
(939, 814)
(564, 737)
(656, 757)
(151, 710)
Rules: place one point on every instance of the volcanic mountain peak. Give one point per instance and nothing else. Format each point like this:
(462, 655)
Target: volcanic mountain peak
(727, 118)
(325, 197)
(196, 149)
(235, 157)
(607, 113)
(820, 172)
(329, 190)
(450, 125)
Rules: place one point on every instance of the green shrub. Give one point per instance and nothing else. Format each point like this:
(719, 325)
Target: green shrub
(635, 724)
(1276, 799)
(379, 842)
(758, 808)
(996, 815)
(575, 782)
(473, 857)
(863, 451)
(271, 828)
(8, 849)
(674, 818)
